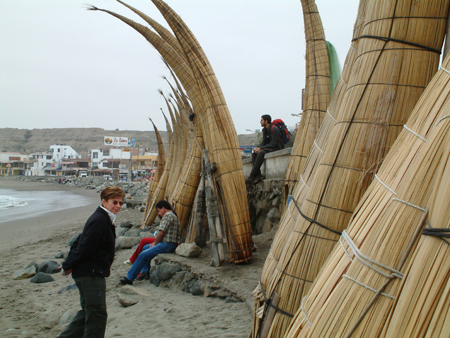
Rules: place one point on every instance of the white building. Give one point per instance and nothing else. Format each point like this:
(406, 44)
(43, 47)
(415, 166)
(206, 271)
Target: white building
(99, 157)
(37, 162)
(60, 151)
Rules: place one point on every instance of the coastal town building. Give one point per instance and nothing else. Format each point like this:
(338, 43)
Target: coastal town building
(61, 151)
(38, 162)
(12, 163)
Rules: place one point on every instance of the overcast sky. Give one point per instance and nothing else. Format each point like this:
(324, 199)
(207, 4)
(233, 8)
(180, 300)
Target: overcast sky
(65, 67)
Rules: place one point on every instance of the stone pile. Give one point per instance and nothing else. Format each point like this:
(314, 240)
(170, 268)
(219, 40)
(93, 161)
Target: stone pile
(38, 273)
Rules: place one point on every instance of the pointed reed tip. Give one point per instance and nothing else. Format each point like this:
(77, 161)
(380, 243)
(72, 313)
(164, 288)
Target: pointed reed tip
(90, 7)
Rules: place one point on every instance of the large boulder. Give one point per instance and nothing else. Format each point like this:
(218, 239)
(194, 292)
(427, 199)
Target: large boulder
(133, 233)
(126, 242)
(166, 271)
(188, 250)
(49, 267)
(24, 273)
(72, 240)
(41, 277)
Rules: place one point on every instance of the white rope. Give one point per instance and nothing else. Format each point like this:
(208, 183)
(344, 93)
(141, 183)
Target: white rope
(368, 261)
(367, 287)
(328, 112)
(422, 138)
(304, 313)
(442, 119)
(410, 204)
(301, 178)
(392, 191)
(445, 70)
(290, 213)
(318, 147)
(345, 250)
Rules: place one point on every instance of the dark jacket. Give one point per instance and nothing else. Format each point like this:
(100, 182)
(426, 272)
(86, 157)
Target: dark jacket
(271, 138)
(93, 252)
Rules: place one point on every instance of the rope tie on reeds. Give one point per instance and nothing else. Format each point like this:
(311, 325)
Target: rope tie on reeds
(392, 191)
(314, 221)
(422, 138)
(442, 233)
(268, 301)
(410, 204)
(446, 116)
(301, 179)
(389, 39)
(370, 262)
(304, 313)
(318, 147)
(328, 113)
(367, 287)
(345, 250)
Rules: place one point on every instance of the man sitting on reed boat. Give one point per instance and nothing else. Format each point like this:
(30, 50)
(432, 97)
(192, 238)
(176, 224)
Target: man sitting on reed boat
(166, 241)
(271, 142)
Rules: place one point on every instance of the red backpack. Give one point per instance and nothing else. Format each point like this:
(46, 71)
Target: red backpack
(285, 135)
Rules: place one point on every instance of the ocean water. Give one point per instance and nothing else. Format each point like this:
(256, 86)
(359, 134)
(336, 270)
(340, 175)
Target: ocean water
(16, 205)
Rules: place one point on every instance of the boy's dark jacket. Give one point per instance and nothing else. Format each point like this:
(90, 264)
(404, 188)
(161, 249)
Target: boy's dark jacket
(93, 252)
(271, 138)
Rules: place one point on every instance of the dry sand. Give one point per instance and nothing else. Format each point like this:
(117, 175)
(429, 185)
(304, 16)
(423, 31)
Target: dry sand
(35, 310)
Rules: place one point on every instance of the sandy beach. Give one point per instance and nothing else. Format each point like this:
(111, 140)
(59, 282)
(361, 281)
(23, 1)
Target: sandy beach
(35, 310)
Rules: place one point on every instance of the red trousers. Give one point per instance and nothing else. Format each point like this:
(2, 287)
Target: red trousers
(144, 241)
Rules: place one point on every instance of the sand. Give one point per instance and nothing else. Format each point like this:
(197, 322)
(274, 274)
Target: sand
(35, 310)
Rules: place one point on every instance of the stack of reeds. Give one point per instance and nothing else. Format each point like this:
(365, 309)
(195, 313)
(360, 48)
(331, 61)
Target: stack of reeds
(368, 273)
(382, 90)
(222, 145)
(159, 171)
(317, 92)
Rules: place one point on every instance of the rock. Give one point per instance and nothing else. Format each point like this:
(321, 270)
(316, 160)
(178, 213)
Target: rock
(36, 265)
(232, 300)
(195, 288)
(142, 208)
(177, 279)
(154, 279)
(67, 317)
(24, 273)
(188, 250)
(72, 240)
(41, 277)
(67, 288)
(166, 271)
(145, 234)
(49, 267)
(126, 302)
(274, 215)
(127, 224)
(60, 255)
(267, 226)
(120, 231)
(133, 233)
(126, 242)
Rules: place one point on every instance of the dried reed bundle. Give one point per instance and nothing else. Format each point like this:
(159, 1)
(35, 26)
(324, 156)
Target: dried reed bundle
(317, 92)
(159, 170)
(221, 142)
(382, 90)
(165, 34)
(361, 279)
(291, 214)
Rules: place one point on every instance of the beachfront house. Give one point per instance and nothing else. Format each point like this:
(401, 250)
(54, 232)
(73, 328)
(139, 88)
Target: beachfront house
(62, 151)
(12, 164)
(38, 162)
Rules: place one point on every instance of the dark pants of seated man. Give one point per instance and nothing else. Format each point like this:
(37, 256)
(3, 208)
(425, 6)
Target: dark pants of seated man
(258, 160)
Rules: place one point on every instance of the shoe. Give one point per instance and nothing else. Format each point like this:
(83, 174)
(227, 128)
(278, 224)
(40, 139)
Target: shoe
(258, 178)
(143, 276)
(125, 281)
(249, 180)
(127, 262)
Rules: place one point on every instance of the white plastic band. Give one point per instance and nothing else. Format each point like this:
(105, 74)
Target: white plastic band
(301, 179)
(410, 204)
(290, 213)
(370, 262)
(318, 147)
(446, 116)
(392, 191)
(345, 250)
(304, 313)
(422, 138)
(328, 112)
(367, 287)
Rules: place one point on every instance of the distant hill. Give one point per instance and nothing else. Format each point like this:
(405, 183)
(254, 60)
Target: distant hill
(81, 139)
